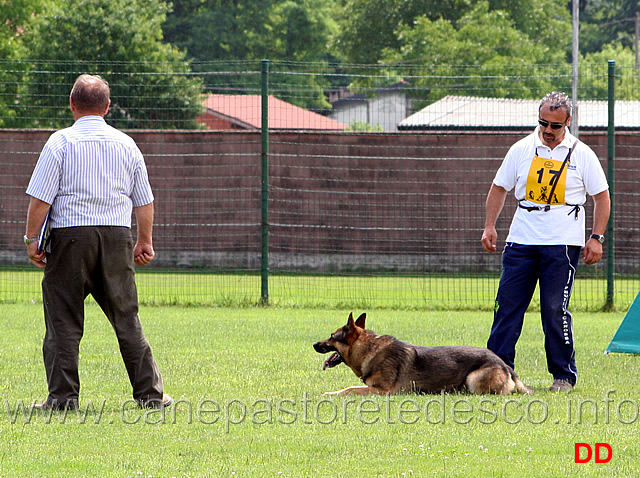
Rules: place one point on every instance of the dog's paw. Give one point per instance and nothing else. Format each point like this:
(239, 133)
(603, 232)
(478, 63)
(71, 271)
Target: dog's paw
(332, 394)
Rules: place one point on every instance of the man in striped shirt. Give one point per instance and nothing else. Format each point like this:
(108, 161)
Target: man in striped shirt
(89, 179)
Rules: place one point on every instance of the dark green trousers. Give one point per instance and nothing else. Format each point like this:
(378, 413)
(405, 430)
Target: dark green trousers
(96, 261)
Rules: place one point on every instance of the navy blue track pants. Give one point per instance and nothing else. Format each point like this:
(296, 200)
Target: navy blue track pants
(554, 268)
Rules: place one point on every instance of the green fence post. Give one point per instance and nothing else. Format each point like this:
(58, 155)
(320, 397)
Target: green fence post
(611, 155)
(264, 263)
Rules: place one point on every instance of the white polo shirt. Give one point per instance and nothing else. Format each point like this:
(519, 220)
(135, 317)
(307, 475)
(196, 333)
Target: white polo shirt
(92, 174)
(583, 176)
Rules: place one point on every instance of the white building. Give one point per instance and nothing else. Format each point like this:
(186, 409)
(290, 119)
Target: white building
(378, 109)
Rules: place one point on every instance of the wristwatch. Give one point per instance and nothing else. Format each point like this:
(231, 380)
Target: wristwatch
(28, 240)
(598, 237)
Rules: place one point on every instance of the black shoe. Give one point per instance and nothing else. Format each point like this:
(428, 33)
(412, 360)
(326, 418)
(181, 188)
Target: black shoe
(55, 405)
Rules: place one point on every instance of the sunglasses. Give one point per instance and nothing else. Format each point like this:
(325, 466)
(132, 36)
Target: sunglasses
(546, 124)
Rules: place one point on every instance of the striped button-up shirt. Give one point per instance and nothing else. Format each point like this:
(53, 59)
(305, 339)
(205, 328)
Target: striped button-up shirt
(92, 175)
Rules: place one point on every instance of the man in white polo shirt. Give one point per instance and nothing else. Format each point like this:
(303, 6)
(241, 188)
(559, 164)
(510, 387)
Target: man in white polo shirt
(551, 173)
(89, 179)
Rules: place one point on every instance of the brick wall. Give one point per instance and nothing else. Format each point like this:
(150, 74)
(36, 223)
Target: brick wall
(353, 201)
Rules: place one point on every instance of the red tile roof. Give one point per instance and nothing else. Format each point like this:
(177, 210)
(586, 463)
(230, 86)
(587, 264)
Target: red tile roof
(244, 111)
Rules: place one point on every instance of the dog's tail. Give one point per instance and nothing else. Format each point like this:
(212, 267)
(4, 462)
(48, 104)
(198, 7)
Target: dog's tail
(518, 386)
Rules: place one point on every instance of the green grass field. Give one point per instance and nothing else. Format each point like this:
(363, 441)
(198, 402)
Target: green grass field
(248, 387)
(427, 292)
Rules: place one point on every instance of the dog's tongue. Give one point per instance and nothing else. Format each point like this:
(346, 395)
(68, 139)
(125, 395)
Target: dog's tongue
(335, 359)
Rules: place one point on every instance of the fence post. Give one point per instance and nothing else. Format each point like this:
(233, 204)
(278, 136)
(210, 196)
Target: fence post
(264, 263)
(611, 155)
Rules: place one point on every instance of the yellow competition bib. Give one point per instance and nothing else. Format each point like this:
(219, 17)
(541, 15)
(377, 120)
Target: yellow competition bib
(546, 178)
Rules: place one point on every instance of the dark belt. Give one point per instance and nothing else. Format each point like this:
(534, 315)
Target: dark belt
(575, 208)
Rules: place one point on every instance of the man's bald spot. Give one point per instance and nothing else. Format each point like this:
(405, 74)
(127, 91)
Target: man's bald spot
(90, 94)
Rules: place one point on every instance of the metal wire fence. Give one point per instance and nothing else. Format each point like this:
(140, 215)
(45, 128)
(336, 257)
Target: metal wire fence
(375, 188)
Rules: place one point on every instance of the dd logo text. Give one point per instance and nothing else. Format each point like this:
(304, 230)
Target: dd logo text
(588, 453)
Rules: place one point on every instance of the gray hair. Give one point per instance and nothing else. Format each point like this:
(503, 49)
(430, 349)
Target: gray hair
(90, 93)
(557, 100)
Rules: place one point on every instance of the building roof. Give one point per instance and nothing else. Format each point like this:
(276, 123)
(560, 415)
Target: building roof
(245, 111)
(467, 112)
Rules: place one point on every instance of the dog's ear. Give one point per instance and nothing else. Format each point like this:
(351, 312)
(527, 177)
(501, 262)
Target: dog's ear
(361, 320)
(350, 322)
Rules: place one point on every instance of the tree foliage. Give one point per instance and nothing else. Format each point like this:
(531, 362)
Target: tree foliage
(371, 27)
(159, 57)
(251, 29)
(231, 34)
(604, 22)
(627, 84)
(151, 86)
(15, 17)
(483, 54)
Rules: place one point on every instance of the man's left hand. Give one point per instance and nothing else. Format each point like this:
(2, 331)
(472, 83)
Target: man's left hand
(143, 254)
(592, 252)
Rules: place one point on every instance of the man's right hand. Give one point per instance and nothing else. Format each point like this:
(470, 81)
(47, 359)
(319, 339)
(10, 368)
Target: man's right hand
(489, 239)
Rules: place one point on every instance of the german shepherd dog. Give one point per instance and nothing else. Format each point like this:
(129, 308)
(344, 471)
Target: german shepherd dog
(387, 365)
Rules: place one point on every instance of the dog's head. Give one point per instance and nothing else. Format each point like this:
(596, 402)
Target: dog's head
(340, 341)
